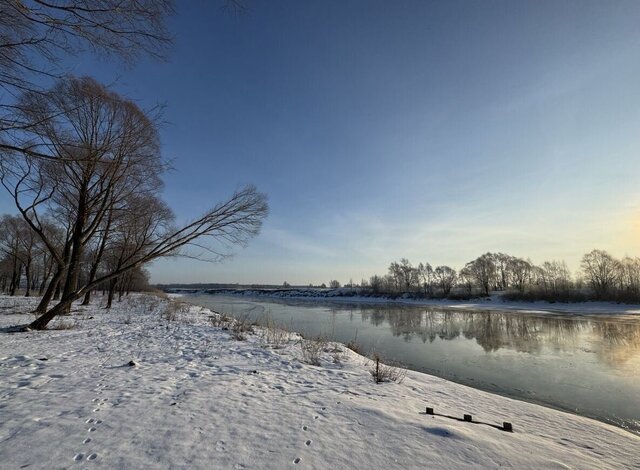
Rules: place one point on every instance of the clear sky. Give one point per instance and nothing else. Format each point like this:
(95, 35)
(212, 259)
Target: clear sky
(435, 131)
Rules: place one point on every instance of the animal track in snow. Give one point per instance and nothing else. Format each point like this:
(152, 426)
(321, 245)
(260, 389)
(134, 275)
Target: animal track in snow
(297, 460)
(87, 440)
(78, 457)
(92, 456)
(308, 443)
(304, 428)
(91, 429)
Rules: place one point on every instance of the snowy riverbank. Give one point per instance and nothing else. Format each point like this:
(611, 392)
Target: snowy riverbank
(493, 303)
(197, 398)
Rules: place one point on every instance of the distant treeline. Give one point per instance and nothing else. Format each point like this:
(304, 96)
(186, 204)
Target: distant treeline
(217, 285)
(601, 277)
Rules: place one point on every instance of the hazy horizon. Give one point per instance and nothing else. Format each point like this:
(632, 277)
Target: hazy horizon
(435, 131)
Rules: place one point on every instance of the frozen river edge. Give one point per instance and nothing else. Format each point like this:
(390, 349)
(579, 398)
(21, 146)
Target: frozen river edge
(198, 398)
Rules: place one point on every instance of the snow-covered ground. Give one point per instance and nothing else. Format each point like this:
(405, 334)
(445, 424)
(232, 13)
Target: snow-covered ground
(492, 303)
(197, 398)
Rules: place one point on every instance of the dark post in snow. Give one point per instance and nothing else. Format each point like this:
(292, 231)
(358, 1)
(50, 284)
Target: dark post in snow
(429, 411)
(468, 418)
(507, 426)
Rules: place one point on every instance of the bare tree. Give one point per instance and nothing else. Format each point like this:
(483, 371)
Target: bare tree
(446, 277)
(36, 34)
(11, 233)
(600, 270)
(102, 154)
(376, 283)
(409, 275)
(483, 270)
(426, 275)
(395, 272)
(99, 148)
(554, 277)
(520, 272)
(629, 277)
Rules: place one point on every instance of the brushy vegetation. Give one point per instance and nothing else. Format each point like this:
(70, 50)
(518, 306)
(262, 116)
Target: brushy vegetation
(174, 310)
(312, 349)
(275, 336)
(385, 373)
(220, 320)
(240, 327)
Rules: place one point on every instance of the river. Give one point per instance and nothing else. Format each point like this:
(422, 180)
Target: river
(589, 365)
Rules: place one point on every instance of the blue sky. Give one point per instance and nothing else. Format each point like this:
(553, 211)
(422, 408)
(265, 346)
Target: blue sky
(435, 131)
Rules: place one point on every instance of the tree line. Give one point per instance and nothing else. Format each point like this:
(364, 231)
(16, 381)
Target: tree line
(601, 277)
(83, 164)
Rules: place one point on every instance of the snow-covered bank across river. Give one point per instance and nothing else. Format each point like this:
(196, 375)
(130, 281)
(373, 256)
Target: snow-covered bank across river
(198, 398)
(493, 303)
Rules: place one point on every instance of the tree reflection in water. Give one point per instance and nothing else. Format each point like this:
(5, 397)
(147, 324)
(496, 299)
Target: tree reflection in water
(614, 342)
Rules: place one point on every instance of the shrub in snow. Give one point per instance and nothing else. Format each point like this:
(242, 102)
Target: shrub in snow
(239, 328)
(275, 336)
(355, 347)
(312, 349)
(384, 373)
(220, 320)
(173, 310)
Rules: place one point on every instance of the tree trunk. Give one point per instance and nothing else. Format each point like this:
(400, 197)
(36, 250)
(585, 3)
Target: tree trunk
(77, 246)
(56, 295)
(51, 289)
(96, 262)
(87, 298)
(112, 289)
(41, 322)
(15, 282)
(27, 272)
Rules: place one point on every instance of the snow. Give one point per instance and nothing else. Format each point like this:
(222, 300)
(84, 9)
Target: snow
(197, 398)
(492, 303)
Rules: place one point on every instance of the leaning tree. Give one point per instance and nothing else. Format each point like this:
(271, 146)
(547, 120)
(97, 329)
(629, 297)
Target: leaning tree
(98, 158)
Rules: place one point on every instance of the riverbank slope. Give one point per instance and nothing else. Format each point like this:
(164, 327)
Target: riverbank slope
(197, 397)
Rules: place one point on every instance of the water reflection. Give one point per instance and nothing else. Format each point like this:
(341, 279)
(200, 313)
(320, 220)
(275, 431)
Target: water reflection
(620, 343)
(614, 342)
(585, 364)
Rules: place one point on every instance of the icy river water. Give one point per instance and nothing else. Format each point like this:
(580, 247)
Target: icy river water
(589, 365)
